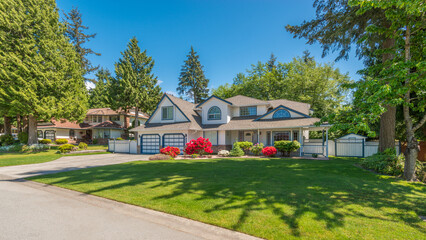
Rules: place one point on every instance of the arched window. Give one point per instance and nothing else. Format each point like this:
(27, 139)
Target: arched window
(281, 114)
(214, 113)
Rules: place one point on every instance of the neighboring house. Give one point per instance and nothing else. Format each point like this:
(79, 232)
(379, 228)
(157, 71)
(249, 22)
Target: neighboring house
(225, 121)
(100, 123)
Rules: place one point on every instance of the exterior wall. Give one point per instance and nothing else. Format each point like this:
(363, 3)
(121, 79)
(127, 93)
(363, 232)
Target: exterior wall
(261, 109)
(177, 115)
(224, 109)
(194, 135)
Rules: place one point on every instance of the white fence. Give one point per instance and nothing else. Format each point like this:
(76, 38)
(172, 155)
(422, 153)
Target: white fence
(344, 147)
(123, 146)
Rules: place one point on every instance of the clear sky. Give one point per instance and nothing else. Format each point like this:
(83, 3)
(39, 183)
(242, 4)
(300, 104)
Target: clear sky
(228, 35)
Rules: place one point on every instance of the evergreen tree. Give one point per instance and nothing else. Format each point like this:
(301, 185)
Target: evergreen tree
(134, 85)
(192, 81)
(271, 62)
(339, 26)
(75, 31)
(98, 96)
(40, 75)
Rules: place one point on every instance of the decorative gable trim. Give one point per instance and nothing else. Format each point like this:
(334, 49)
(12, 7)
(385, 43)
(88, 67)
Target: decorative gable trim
(213, 96)
(281, 107)
(159, 103)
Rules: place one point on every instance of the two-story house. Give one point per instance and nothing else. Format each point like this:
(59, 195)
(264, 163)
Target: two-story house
(100, 123)
(225, 121)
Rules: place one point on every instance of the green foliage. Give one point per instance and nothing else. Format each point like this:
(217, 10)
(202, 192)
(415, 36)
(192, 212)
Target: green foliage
(75, 32)
(257, 149)
(320, 85)
(99, 95)
(119, 138)
(23, 137)
(11, 148)
(95, 141)
(61, 141)
(245, 145)
(6, 139)
(66, 148)
(192, 81)
(386, 162)
(286, 147)
(314, 155)
(45, 141)
(82, 145)
(236, 151)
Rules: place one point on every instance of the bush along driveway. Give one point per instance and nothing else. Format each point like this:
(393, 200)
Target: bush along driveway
(268, 198)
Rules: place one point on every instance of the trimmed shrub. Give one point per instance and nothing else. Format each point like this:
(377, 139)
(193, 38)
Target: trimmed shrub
(170, 151)
(314, 155)
(6, 139)
(95, 141)
(236, 151)
(387, 162)
(119, 138)
(35, 148)
(82, 145)
(245, 146)
(12, 148)
(61, 141)
(23, 137)
(45, 141)
(200, 146)
(159, 157)
(66, 148)
(257, 149)
(269, 151)
(223, 153)
(286, 147)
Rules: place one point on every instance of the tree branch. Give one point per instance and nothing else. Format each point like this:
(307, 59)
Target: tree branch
(420, 124)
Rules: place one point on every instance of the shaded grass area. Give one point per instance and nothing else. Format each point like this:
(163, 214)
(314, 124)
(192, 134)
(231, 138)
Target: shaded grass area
(268, 198)
(11, 159)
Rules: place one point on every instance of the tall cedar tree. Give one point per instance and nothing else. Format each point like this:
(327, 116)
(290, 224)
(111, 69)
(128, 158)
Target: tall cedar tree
(75, 31)
(134, 85)
(40, 74)
(402, 77)
(337, 27)
(98, 96)
(192, 81)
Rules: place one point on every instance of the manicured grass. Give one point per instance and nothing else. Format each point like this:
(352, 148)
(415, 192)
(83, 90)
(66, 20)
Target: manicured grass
(269, 198)
(11, 159)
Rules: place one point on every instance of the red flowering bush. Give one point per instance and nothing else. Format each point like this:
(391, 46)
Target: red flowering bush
(269, 151)
(200, 146)
(171, 151)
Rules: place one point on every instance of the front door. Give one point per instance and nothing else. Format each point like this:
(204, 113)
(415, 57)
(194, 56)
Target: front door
(248, 136)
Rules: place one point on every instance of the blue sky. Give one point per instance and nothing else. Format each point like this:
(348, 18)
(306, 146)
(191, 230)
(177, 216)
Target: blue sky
(228, 35)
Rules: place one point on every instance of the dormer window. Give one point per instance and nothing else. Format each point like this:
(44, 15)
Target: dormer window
(248, 111)
(214, 113)
(167, 113)
(281, 114)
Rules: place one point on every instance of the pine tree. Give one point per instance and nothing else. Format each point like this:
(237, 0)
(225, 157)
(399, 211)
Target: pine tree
(75, 31)
(192, 81)
(98, 96)
(40, 75)
(134, 85)
(271, 62)
(339, 26)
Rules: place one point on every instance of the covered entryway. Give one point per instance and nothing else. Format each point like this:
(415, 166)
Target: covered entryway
(150, 143)
(174, 140)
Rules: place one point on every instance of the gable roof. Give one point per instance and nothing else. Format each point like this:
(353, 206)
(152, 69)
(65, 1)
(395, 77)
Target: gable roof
(241, 100)
(281, 107)
(298, 106)
(109, 111)
(63, 123)
(213, 96)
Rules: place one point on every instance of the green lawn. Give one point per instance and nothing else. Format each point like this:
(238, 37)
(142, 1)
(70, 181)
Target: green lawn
(268, 198)
(11, 159)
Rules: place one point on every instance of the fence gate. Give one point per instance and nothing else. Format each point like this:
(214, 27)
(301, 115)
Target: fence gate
(350, 147)
(150, 143)
(174, 140)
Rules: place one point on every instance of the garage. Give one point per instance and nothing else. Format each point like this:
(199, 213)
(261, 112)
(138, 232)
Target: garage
(150, 143)
(174, 140)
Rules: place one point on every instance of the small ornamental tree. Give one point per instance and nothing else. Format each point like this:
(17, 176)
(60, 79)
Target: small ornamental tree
(286, 147)
(170, 151)
(200, 146)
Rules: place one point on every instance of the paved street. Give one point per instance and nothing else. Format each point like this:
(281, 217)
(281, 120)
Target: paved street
(30, 210)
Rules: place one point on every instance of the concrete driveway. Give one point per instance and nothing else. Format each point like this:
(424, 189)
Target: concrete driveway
(31, 210)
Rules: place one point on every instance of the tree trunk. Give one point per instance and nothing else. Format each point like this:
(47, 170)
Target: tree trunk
(388, 118)
(18, 123)
(136, 117)
(25, 124)
(32, 130)
(410, 159)
(7, 125)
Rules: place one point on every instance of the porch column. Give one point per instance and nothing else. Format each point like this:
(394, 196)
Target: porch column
(323, 142)
(326, 142)
(258, 136)
(301, 141)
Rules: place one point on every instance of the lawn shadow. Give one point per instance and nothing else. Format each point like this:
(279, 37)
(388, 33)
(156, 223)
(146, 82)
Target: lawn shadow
(290, 189)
